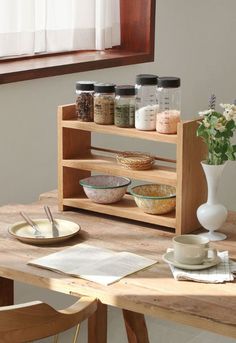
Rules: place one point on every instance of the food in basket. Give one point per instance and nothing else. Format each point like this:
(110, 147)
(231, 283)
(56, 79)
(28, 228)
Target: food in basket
(135, 160)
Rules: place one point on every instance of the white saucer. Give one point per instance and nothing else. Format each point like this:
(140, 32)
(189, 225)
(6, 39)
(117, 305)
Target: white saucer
(169, 258)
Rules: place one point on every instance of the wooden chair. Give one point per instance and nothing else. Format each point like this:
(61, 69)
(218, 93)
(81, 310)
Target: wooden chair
(35, 320)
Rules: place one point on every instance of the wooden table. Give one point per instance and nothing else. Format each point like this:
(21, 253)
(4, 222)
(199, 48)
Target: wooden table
(151, 292)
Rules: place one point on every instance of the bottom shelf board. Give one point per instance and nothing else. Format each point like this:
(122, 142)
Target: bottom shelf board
(125, 208)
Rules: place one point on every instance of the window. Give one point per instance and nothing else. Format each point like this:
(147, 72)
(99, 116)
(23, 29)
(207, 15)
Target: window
(137, 19)
(42, 26)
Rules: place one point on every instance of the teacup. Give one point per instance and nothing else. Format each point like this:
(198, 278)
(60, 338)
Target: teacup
(192, 249)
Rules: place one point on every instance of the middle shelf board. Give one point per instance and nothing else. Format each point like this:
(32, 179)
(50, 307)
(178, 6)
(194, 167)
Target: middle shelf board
(108, 165)
(125, 208)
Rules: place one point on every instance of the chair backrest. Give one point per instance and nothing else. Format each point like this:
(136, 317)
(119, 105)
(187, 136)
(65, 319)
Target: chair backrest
(35, 320)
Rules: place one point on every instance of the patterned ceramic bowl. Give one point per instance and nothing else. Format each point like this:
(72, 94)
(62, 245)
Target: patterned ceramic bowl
(154, 199)
(105, 189)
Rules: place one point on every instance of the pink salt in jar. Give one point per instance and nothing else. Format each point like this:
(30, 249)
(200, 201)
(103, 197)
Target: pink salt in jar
(169, 102)
(167, 121)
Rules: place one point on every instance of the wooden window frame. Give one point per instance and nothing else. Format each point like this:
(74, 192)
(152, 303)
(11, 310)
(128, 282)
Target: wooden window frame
(137, 46)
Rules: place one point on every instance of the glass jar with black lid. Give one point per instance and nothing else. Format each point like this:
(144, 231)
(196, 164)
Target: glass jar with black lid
(85, 100)
(104, 103)
(146, 101)
(169, 101)
(125, 106)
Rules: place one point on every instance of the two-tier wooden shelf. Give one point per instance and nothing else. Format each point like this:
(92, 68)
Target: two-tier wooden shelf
(77, 159)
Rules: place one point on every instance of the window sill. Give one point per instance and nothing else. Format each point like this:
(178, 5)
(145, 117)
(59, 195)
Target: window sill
(137, 46)
(45, 66)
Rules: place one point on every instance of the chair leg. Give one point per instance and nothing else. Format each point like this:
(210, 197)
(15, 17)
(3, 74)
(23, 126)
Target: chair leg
(76, 333)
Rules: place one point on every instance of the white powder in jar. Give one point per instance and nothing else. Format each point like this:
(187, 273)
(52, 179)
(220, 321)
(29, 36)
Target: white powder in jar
(145, 118)
(166, 121)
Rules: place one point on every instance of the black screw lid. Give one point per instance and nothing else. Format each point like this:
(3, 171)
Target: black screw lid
(125, 90)
(104, 87)
(146, 79)
(169, 82)
(85, 85)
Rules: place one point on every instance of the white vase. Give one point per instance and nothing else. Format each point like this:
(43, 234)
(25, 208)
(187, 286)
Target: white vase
(212, 214)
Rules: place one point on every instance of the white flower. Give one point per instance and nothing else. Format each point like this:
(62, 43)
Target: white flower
(226, 114)
(229, 114)
(229, 106)
(225, 105)
(219, 126)
(205, 123)
(229, 111)
(203, 113)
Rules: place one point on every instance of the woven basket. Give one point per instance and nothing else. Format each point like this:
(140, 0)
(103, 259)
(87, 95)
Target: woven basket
(135, 160)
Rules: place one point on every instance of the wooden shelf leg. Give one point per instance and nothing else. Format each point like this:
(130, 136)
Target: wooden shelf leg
(191, 187)
(97, 325)
(6, 292)
(135, 327)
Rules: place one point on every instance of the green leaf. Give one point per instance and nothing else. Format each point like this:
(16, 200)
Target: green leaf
(200, 129)
(230, 125)
(230, 156)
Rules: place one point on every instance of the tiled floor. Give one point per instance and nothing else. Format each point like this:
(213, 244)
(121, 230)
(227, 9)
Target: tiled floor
(160, 331)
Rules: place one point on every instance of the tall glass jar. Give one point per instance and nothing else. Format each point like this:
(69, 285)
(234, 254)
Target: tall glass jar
(146, 102)
(169, 100)
(84, 100)
(104, 103)
(124, 106)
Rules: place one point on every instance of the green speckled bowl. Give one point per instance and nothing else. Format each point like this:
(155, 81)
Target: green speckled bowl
(154, 198)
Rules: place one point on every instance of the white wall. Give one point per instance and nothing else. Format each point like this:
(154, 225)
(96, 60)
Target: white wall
(194, 40)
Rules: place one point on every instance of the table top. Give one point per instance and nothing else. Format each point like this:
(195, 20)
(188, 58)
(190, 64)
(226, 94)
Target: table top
(151, 292)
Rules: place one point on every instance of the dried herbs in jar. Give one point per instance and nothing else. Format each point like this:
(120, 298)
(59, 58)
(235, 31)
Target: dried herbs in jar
(104, 102)
(125, 106)
(85, 100)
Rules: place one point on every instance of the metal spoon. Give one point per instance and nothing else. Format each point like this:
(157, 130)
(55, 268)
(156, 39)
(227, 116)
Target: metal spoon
(37, 232)
(55, 232)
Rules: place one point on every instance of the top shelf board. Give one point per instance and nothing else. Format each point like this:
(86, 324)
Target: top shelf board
(114, 130)
(68, 120)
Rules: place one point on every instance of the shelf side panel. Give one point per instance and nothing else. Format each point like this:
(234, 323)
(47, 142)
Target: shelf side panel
(67, 112)
(191, 184)
(70, 143)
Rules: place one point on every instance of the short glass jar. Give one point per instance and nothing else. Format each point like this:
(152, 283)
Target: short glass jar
(169, 101)
(146, 102)
(104, 103)
(124, 106)
(84, 100)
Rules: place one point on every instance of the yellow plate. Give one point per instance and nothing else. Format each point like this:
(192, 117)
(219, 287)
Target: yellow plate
(25, 233)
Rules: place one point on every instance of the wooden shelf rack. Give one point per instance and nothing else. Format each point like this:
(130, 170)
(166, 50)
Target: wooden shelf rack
(77, 159)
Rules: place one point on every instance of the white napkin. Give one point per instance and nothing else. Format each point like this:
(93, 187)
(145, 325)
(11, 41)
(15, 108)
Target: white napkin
(97, 264)
(220, 273)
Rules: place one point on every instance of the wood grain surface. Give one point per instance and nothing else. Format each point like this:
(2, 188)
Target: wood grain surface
(150, 292)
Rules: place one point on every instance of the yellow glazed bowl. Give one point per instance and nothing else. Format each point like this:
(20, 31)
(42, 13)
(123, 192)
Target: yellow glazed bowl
(154, 198)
